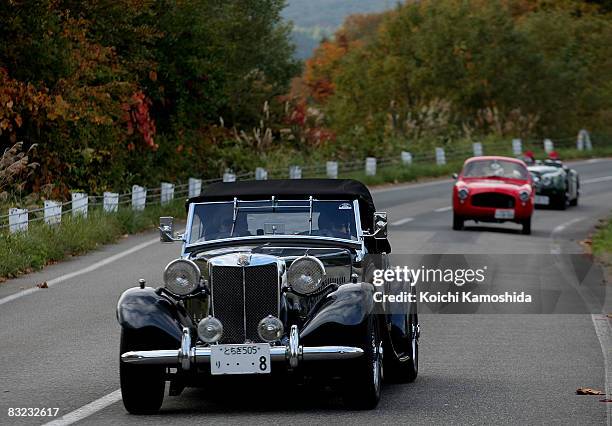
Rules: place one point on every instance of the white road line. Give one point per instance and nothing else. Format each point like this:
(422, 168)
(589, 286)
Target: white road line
(443, 209)
(604, 334)
(86, 270)
(402, 221)
(555, 248)
(599, 179)
(565, 225)
(87, 410)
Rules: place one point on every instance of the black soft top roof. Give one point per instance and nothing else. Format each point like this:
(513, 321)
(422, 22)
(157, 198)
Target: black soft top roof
(297, 189)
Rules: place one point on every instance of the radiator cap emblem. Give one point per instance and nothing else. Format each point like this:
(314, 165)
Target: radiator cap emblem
(244, 259)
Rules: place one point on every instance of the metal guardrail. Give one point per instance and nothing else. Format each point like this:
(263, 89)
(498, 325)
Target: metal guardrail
(139, 197)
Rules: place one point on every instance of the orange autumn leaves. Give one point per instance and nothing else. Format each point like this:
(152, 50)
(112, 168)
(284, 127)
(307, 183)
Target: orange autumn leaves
(322, 69)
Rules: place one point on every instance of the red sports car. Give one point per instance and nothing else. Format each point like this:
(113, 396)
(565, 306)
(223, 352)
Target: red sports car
(493, 189)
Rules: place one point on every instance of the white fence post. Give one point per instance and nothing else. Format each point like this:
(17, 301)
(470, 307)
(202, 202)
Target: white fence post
(18, 220)
(370, 166)
(517, 146)
(167, 193)
(440, 157)
(406, 158)
(195, 187)
(584, 141)
(580, 141)
(111, 202)
(79, 204)
(548, 146)
(331, 169)
(53, 212)
(228, 176)
(261, 174)
(139, 198)
(477, 148)
(295, 172)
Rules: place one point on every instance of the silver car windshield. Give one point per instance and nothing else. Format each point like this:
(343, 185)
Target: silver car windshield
(216, 221)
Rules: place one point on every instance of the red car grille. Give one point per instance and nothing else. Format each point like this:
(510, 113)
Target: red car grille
(493, 199)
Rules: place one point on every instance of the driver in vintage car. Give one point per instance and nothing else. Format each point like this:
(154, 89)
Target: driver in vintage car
(274, 279)
(335, 223)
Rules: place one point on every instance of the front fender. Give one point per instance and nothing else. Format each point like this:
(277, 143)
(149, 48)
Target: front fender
(146, 311)
(342, 318)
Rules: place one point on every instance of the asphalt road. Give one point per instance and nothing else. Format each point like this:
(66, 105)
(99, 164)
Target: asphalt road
(59, 346)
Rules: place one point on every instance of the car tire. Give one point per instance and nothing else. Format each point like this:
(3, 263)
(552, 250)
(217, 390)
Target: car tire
(562, 202)
(457, 222)
(142, 386)
(527, 226)
(406, 369)
(574, 202)
(363, 382)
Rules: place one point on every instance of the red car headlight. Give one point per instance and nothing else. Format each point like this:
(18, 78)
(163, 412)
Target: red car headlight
(524, 196)
(463, 193)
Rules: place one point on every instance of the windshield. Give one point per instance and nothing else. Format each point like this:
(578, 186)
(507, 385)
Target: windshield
(215, 221)
(495, 168)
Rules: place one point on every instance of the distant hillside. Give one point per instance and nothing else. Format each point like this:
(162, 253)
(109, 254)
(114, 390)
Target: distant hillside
(315, 19)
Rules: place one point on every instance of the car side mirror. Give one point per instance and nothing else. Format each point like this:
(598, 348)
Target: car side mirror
(455, 176)
(380, 225)
(166, 230)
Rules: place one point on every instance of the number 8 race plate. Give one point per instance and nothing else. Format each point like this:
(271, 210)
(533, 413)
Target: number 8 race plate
(240, 359)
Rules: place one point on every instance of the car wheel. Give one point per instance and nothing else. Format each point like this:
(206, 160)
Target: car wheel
(363, 383)
(404, 369)
(574, 202)
(457, 222)
(142, 386)
(562, 202)
(527, 226)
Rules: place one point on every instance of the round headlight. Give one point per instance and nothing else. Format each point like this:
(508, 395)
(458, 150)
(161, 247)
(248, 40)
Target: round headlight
(306, 274)
(210, 329)
(270, 329)
(546, 180)
(463, 193)
(182, 277)
(524, 196)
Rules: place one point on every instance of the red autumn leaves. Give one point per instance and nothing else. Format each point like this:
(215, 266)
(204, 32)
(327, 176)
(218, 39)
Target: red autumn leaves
(138, 118)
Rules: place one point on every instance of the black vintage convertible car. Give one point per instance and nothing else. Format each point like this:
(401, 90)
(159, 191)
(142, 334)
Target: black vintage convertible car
(275, 280)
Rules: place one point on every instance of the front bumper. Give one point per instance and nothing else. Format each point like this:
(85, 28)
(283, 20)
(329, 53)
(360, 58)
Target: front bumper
(293, 353)
(522, 211)
(550, 191)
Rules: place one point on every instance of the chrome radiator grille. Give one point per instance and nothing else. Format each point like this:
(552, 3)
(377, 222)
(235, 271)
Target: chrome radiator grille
(241, 297)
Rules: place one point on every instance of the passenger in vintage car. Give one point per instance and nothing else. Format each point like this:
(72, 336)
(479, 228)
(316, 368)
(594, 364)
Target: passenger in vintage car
(274, 279)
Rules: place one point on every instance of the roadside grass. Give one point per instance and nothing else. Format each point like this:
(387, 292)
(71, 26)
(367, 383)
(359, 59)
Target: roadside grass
(399, 173)
(41, 245)
(602, 240)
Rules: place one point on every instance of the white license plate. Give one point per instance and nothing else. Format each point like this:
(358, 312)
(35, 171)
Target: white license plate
(504, 214)
(542, 199)
(240, 359)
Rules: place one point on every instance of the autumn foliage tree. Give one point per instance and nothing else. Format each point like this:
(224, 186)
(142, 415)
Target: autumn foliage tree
(322, 69)
(448, 69)
(110, 90)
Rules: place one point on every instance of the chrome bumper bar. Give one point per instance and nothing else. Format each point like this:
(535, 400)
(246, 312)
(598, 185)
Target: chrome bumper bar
(293, 353)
